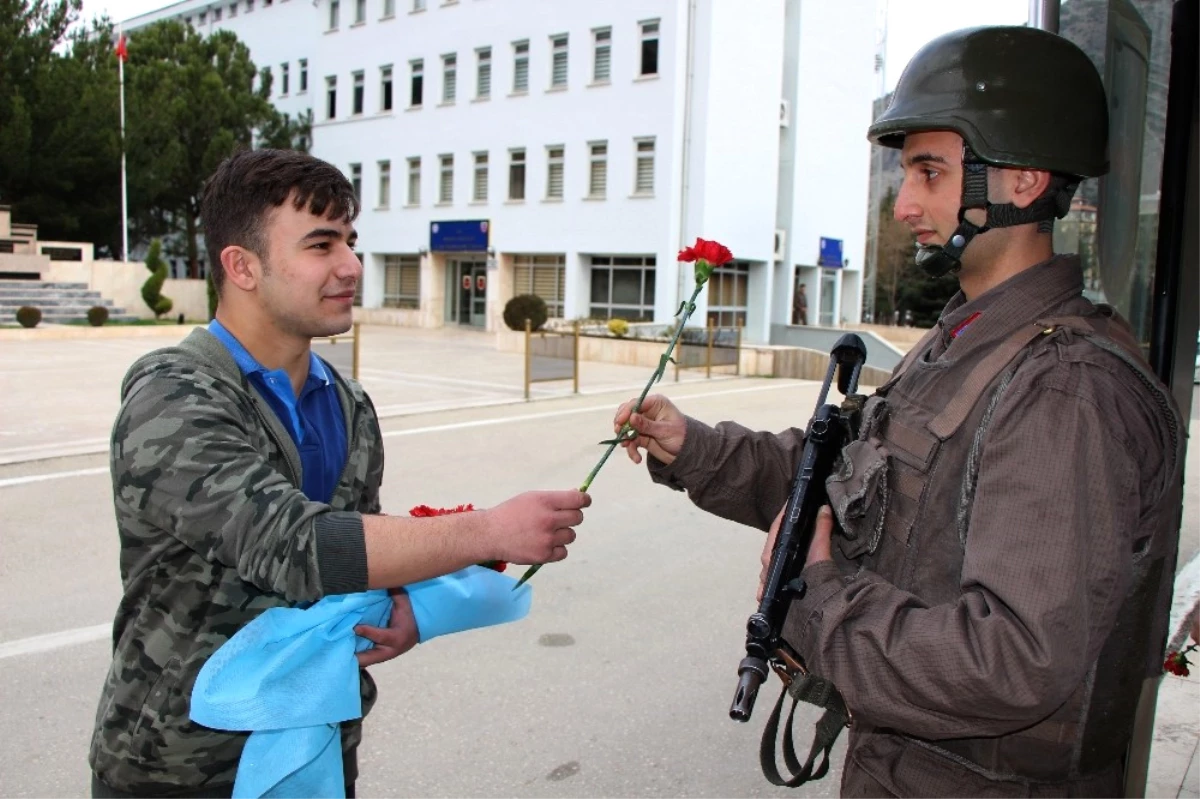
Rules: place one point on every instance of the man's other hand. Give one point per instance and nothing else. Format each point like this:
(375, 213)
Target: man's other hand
(398, 637)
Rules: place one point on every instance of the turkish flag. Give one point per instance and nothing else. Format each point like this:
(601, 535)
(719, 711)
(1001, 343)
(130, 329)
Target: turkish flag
(122, 51)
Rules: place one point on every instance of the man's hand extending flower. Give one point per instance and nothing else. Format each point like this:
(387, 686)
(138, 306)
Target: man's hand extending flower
(1177, 662)
(707, 256)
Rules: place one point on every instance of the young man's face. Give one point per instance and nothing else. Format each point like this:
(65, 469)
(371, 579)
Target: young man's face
(931, 193)
(310, 272)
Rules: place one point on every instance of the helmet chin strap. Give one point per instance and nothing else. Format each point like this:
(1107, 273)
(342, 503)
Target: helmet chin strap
(938, 260)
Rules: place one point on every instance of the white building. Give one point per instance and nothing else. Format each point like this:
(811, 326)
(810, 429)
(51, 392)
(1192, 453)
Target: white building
(572, 148)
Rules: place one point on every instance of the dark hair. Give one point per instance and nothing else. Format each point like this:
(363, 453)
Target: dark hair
(250, 184)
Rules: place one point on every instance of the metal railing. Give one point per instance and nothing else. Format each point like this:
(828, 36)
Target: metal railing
(341, 351)
(704, 348)
(551, 355)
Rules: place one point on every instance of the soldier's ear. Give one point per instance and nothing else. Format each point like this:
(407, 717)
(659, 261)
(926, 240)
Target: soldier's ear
(1029, 184)
(241, 267)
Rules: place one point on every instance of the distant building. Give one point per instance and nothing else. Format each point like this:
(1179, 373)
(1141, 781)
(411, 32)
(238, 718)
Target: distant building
(571, 149)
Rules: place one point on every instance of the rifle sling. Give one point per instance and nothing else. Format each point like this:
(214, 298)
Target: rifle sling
(816, 691)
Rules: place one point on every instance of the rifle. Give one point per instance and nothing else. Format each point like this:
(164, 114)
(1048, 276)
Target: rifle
(829, 430)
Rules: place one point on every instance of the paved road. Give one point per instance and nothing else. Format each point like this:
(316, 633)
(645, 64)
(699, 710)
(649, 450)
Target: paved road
(617, 684)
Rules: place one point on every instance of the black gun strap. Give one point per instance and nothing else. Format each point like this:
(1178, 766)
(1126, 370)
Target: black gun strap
(817, 691)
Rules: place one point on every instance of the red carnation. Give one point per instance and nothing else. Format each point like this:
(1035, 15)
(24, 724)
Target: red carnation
(424, 511)
(1177, 662)
(714, 252)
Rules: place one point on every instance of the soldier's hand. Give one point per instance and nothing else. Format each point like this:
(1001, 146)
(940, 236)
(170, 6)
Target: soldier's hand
(820, 549)
(659, 425)
(535, 527)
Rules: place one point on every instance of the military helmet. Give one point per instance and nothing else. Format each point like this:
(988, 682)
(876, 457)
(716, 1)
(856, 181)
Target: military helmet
(1019, 97)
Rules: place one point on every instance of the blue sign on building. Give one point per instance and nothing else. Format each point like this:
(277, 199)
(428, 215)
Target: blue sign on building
(831, 253)
(468, 235)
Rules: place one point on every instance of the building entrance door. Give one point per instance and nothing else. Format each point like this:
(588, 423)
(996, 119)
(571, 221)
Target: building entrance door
(469, 293)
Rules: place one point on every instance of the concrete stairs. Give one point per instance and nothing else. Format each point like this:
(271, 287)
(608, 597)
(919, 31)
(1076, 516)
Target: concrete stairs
(59, 302)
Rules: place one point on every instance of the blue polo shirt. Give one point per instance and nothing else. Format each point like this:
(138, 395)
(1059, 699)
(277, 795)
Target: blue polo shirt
(314, 419)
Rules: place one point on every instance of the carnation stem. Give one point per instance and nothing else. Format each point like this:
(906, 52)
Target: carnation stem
(684, 314)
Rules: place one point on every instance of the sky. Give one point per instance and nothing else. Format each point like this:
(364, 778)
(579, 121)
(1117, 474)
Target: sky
(910, 23)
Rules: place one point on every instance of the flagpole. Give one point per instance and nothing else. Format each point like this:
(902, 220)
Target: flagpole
(124, 189)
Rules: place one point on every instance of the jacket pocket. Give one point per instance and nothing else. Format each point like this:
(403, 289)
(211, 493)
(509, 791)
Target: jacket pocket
(147, 736)
(859, 496)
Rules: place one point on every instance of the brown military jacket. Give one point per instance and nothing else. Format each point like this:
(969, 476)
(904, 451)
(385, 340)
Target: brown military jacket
(1002, 577)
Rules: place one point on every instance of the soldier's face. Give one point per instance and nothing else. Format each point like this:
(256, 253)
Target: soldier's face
(310, 274)
(931, 193)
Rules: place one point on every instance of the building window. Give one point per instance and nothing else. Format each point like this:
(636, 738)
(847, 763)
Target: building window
(414, 181)
(558, 61)
(401, 281)
(643, 182)
(385, 184)
(284, 77)
(727, 289)
(417, 91)
(203, 18)
(649, 65)
(389, 9)
(249, 6)
(266, 80)
(483, 73)
(598, 170)
(334, 12)
(359, 86)
(187, 21)
(516, 174)
(266, 3)
(233, 10)
(217, 14)
(622, 288)
(520, 67)
(418, 5)
(554, 172)
(303, 75)
(360, 11)
(356, 179)
(446, 181)
(479, 192)
(544, 276)
(449, 77)
(331, 97)
(602, 57)
(385, 88)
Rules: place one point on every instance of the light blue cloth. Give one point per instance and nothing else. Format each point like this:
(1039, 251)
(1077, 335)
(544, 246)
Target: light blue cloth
(290, 677)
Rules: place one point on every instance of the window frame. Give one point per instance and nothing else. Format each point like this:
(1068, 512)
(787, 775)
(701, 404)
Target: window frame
(554, 161)
(358, 93)
(387, 82)
(644, 308)
(597, 48)
(647, 37)
(560, 44)
(483, 68)
(413, 198)
(518, 160)
(520, 67)
(639, 159)
(402, 263)
(449, 78)
(331, 96)
(445, 179)
(595, 159)
(416, 82)
(384, 168)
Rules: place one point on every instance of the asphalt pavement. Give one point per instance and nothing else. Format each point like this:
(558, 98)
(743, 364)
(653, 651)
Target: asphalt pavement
(617, 684)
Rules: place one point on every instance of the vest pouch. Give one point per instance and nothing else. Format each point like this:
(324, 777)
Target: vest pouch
(858, 495)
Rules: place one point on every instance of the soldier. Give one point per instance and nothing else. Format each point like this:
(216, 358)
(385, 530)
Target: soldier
(999, 585)
(246, 475)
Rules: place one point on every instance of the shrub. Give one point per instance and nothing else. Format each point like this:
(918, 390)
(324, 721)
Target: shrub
(152, 288)
(97, 315)
(618, 327)
(525, 306)
(28, 316)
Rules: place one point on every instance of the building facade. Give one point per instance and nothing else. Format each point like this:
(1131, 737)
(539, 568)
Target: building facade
(571, 149)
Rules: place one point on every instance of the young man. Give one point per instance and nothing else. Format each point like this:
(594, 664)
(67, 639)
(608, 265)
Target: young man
(1000, 582)
(246, 476)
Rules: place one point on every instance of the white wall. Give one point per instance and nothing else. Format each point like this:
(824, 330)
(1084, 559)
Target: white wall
(831, 114)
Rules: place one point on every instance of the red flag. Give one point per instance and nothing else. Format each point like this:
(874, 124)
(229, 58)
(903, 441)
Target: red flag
(122, 52)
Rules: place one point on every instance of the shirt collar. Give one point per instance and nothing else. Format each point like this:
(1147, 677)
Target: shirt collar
(317, 373)
(1018, 300)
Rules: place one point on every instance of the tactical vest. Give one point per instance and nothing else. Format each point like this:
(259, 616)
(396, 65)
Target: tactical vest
(904, 499)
